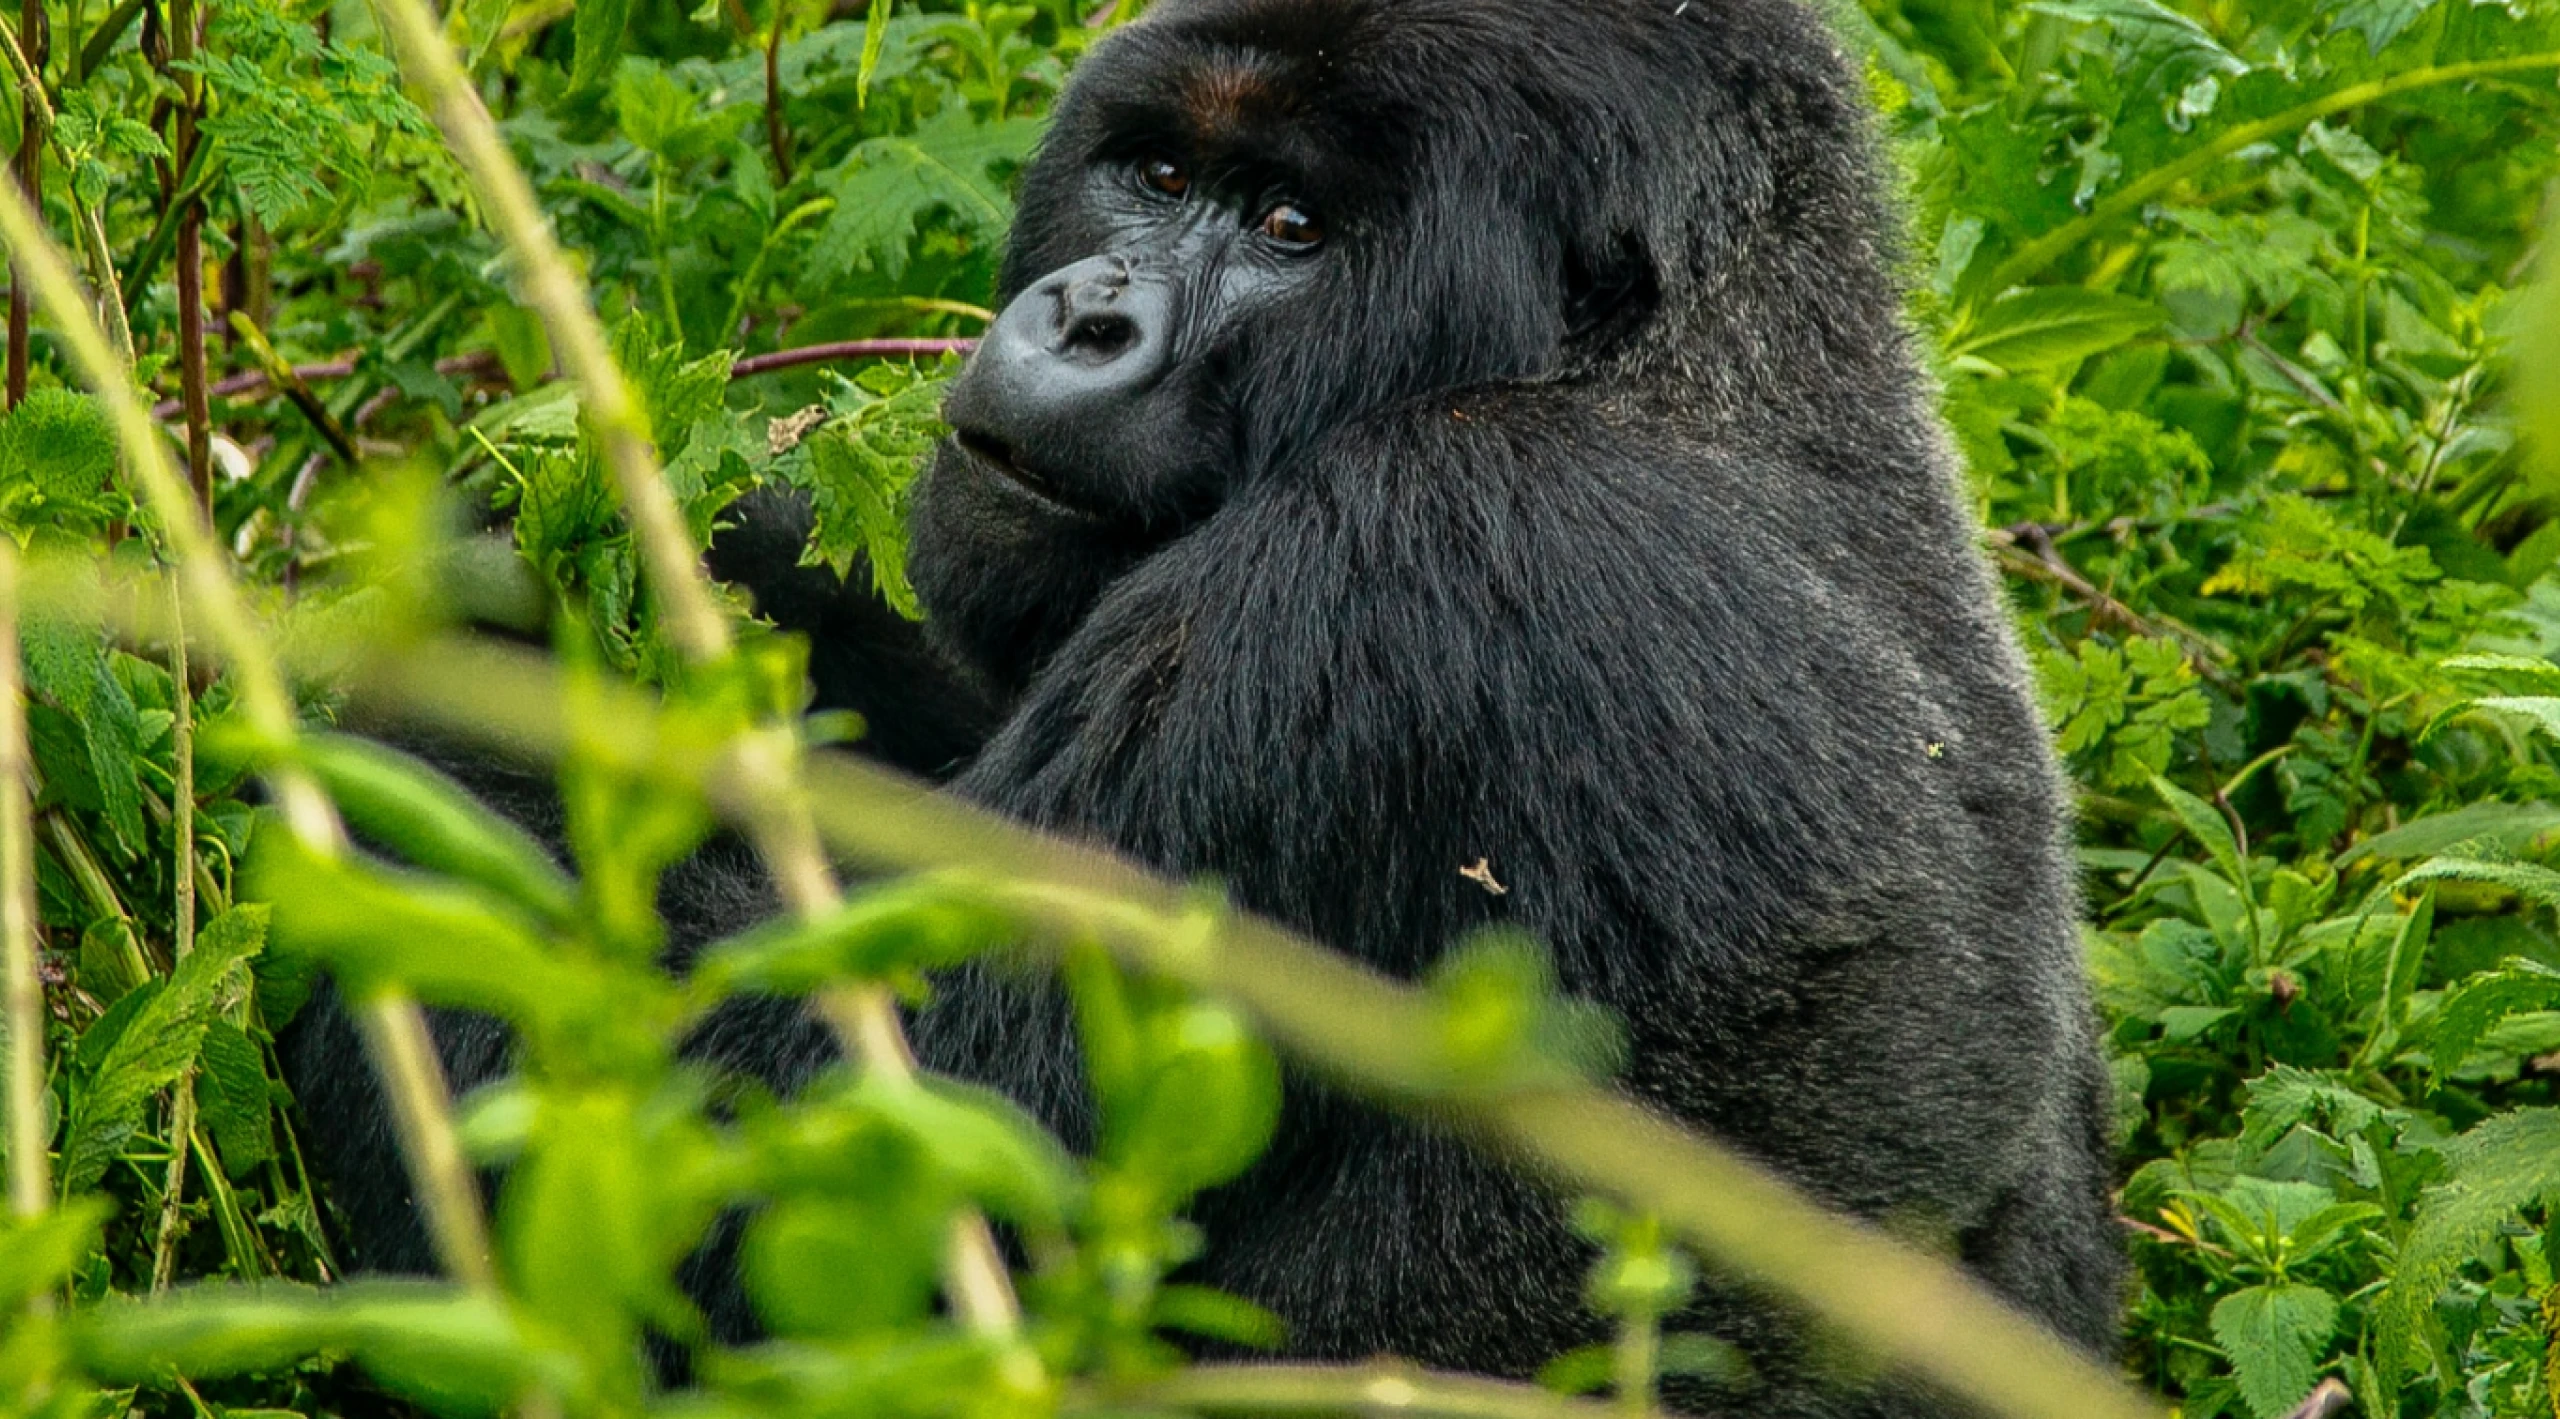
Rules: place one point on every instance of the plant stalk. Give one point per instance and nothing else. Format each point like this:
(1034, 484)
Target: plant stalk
(394, 1023)
(29, 1186)
(865, 1017)
(2030, 260)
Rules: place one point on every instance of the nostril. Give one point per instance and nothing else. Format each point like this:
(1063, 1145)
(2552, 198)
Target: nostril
(1101, 334)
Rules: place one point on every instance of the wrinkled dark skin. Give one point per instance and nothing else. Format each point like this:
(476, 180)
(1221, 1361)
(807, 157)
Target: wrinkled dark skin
(1570, 501)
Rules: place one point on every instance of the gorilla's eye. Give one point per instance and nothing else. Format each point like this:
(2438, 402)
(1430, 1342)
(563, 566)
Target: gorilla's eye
(1292, 225)
(1165, 176)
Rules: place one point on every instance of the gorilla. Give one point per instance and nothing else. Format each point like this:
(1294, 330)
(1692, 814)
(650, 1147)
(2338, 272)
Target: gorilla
(1448, 463)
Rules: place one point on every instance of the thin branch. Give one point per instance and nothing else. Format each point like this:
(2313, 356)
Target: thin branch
(849, 350)
(2041, 559)
(184, 21)
(450, 1196)
(29, 1188)
(29, 167)
(866, 1017)
(2031, 260)
(283, 376)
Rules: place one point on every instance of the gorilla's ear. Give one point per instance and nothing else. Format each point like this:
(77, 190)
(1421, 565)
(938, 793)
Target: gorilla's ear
(1608, 294)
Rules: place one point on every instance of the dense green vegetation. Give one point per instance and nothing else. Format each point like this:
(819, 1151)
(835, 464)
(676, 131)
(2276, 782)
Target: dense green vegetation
(2225, 296)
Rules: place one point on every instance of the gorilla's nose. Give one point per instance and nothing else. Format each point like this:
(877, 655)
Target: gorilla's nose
(1064, 375)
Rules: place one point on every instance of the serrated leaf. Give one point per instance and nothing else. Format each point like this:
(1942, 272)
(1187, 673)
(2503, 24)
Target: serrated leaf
(859, 469)
(2053, 325)
(232, 1097)
(2508, 1162)
(886, 186)
(2471, 1011)
(158, 1044)
(2276, 1337)
(2151, 35)
(2540, 712)
(2540, 885)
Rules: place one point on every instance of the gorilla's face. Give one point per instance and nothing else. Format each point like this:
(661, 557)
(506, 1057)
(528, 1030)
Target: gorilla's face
(1253, 223)
(1095, 396)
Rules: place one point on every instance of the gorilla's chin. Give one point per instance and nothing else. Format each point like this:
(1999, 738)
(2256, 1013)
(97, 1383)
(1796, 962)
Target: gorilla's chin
(991, 457)
(1004, 565)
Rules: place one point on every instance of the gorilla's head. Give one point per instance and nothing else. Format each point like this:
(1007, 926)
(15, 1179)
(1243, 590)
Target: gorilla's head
(1255, 223)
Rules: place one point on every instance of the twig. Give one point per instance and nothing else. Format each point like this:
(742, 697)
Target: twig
(848, 350)
(2040, 558)
(184, 20)
(2031, 260)
(865, 1017)
(283, 376)
(450, 1196)
(29, 165)
(28, 1185)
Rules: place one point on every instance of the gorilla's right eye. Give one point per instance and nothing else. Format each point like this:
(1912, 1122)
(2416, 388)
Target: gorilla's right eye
(1165, 176)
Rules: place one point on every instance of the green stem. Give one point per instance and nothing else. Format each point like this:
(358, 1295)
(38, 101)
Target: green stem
(2031, 260)
(450, 1197)
(182, 917)
(864, 1016)
(1379, 1387)
(29, 1187)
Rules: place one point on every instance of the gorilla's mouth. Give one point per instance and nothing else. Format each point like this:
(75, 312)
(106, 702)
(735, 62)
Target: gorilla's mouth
(998, 456)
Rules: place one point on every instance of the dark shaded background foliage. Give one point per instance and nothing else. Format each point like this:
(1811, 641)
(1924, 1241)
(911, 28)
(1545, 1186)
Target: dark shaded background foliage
(2224, 292)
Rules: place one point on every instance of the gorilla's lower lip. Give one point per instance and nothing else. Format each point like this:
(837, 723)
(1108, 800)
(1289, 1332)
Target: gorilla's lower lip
(999, 458)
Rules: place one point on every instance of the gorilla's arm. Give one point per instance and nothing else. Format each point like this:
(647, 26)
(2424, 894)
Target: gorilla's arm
(922, 712)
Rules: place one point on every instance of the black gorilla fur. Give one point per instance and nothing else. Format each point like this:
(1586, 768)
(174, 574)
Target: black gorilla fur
(1578, 507)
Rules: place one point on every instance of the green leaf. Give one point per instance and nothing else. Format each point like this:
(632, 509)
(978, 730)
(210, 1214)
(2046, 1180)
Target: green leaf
(37, 1252)
(2471, 1011)
(159, 1044)
(982, 1141)
(2053, 325)
(2275, 1336)
(2540, 712)
(885, 186)
(597, 33)
(2540, 885)
(434, 822)
(449, 945)
(232, 1096)
(451, 1351)
(2508, 1162)
(875, 33)
(861, 466)
(2210, 830)
(2508, 825)
(917, 924)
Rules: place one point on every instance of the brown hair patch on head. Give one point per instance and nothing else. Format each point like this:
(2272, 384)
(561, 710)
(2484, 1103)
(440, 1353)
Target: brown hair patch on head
(1216, 97)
